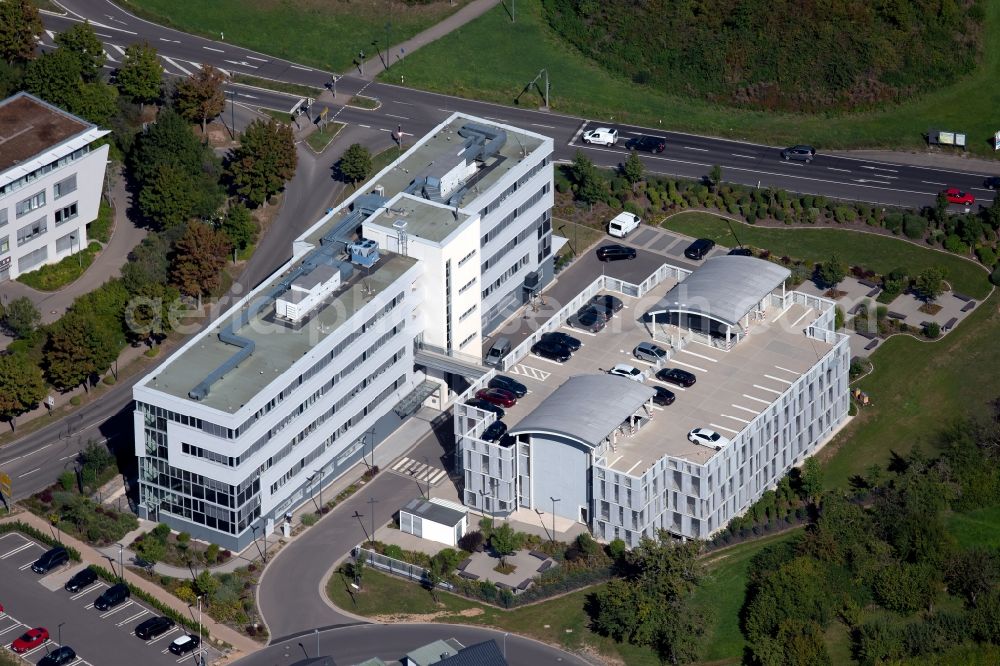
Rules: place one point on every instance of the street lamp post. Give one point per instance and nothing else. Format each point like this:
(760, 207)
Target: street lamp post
(320, 473)
(372, 502)
(199, 618)
(554, 500)
(121, 561)
(232, 113)
(263, 556)
(388, 45)
(316, 631)
(59, 629)
(74, 239)
(359, 516)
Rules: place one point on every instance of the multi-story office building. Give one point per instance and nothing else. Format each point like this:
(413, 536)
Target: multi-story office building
(51, 177)
(303, 377)
(773, 381)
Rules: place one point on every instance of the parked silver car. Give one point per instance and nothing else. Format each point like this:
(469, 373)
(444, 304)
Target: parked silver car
(650, 353)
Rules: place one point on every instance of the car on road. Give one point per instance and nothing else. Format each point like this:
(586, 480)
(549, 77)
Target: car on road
(707, 437)
(507, 384)
(184, 644)
(588, 320)
(741, 252)
(615, 253)
(111, 597)
(627, 371)
(50, 559)
(62, 655)
(558, 337)
(676, 376)
(663, 397)
(697, 250)
(153, 627)
(650, 353)
(647, 144)
(81, 579)
(30, 639)
(801, 153)
(497, 396)
(494, 431)
(957, 196)
(992, 183)
(608, 302)
(551, 350)
(602, 136)
(486, 406)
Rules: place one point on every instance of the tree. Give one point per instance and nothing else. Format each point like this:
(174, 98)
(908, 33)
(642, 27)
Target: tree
(929, 283)
(973, 573)
(200, 96)
(832, 271)
(54, 76)
(812, 479)
(264, 161)
(239, 226)
(941, 207)
(21, 387)
(11, 78)
(633, 169)
(147, 316)
(590, 185)
(80, 346)
(199, 257)
(97, 102)
(167, 141)
(20, 25)
(993, 213)
(149, 262)
(715, 176)
(21, 317)
(140, 76)
(358, 568)
(168, 199)
(82, 42)
(356, 163)
(504, 541)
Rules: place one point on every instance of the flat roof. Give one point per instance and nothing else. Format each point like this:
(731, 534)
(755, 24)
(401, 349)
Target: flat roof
(586, 408)
(278, 345)
(724, 288)
(424, 219)
(29, 126)
(434, 512)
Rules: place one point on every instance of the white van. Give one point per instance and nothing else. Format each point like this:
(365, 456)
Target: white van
(623, 224)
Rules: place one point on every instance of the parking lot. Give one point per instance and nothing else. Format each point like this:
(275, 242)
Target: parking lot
(99, 638)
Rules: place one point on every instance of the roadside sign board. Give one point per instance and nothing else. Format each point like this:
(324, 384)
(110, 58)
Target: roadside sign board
(996, 141)
(5, 484)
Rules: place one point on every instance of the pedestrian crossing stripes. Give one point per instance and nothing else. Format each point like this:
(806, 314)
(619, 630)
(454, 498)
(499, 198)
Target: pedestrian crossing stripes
(528, 371)
(421, 472)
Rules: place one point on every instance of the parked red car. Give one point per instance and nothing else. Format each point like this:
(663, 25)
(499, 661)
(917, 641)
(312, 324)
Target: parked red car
(497, 396)
(957, 196)
(30, 639)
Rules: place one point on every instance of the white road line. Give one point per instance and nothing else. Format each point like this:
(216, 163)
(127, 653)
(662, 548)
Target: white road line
(929, 182)
(400, 117)
(437, 476)
(745, 409)
(103, 35)
(579, 131)
(700, 150)
(25, 566)
(707, 358)
(794, 372)
(16, 550)
(765, 388)
(21, 476)
(747, 157)
(117, 609)
(51, 34)
(68, 457)
(540, 358)
(615, 460)
(117, 48)
(577, 331)
(304, 69)
(778, 379)
(172, 41)
(795, 323)
(672, 387)
(183, 70)
(841, 170)
(209, 48)
(780, 314)
(735, 418)
(365, 126)
(242, 63)
(629, 471)
(445, 110)
(129, 619)
(687, 365)
(382, 129)
(545, 126)
(865, 180)
(162, 636)
(250, 57)
(718, 427)
(85, 592)
(760, 400)
(108, 56)
(875, 168)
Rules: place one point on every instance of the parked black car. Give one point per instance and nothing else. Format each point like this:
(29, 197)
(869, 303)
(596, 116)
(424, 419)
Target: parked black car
(154, 627)
(50, 559)
(676, 376)
(507, 384)
(801, 153)
(663, 397)
(615, 253)
(560, 338)
(588, 320)
(184, 644)
(608, 302)
(479, 403)
(81, 579)
(551, 351)
(741, 252)
(649, 144)
(112, 596)
(495, 431)
(63, 654)
(697, 250)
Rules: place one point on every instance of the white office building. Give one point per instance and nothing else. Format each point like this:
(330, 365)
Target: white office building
(310, 371)
(51, 177)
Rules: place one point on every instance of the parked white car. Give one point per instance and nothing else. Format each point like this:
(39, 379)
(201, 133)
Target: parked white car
(622, 224)
(602, 136)
(629, 371)
(708, 438)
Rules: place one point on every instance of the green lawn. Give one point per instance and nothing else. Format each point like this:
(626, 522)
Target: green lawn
(321, 138)
(878, 253)
(498, 58)
(976, 528)
(320, 33)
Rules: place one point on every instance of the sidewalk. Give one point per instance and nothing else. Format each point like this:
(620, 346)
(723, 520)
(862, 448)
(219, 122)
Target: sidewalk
(242, 645)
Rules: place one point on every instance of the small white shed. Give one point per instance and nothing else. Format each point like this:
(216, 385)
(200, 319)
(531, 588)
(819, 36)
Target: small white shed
(437, 520)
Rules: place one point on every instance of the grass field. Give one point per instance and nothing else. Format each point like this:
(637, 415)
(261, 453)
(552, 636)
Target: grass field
(878, 253)
(320, 33)
(321, 138)
(517, 51)
(977, 528)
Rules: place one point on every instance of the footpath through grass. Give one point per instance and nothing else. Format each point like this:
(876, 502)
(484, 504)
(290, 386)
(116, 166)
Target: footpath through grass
(320, 33)
(498, 58)
(878, 253)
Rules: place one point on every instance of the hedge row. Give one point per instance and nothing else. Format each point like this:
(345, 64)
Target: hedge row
(38, 535)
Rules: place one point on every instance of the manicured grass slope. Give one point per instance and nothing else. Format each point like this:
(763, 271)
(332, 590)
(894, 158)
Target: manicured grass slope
(977, 528)
(878, 253)
(491, 58)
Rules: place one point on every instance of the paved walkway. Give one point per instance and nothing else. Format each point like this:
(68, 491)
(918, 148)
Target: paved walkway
(242, 645)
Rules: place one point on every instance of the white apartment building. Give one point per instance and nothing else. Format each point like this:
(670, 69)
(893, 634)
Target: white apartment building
(311, 370)
(51, 176)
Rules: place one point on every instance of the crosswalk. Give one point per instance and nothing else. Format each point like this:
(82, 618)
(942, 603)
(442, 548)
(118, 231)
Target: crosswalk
(421, 472)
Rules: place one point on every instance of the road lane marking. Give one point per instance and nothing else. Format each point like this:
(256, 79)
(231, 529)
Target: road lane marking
(395, 116)
(540, 125)
(304, 69)
(688, 365)
(242, 63)
(700, 150)
(21, 476)
(841, 170)
(209, 48)
(129, 619)
(172, 41)
(875, 168)
(746, 157)
(707, 358)
(174, 63)
(930, 182)
(250, 57)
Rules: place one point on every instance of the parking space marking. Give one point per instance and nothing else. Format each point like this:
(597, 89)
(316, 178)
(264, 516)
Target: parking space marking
(688, 365)
(193, 655)
(129, 619)
(735, 418)
(787, 370)
(629, 471)
(781, 314)
(615, 461)
(546, 360)
(779, 379)
(16, 625)
(580, 331)
(87, 591)
(17, 550)
(760, 400)
(528, 371)
(165, 634)
(764, 388)
(117, 609)
(745, 409)
(718, 427)
(25, 566)
(672, 387)
(707, 358)
(807, 313)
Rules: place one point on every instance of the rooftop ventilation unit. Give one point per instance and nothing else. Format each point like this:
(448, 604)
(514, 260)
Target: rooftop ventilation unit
(363, 252)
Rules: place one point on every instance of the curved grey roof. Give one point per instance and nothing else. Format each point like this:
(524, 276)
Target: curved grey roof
(724, 288)
(586, 408)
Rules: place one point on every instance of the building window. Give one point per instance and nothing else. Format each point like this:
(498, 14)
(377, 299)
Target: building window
(464, 260)
(33, 230)
(469, 285)
(65, 244)
(468, 313)
(33, 202)
(5, 245)
(66, 214)
(467, 340)
(64, 187)
(32, 259)
(3, 216)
